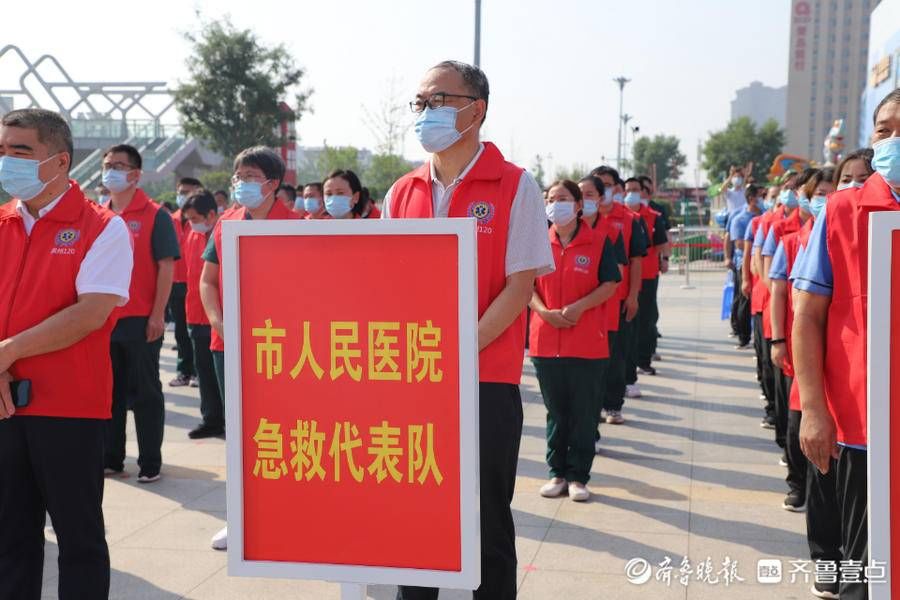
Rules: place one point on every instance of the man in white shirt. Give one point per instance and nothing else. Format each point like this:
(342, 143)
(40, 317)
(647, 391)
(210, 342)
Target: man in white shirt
(733, 187)
(66, 265)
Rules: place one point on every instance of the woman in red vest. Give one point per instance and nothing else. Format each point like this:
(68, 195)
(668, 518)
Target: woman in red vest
(568, 343)
(343, 193)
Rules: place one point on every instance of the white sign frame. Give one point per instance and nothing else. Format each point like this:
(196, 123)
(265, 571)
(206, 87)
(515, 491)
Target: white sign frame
(469, 577)
(881, 228)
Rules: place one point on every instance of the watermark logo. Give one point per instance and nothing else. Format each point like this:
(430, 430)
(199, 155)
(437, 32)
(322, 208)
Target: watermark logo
(638, 571)
(769, 570)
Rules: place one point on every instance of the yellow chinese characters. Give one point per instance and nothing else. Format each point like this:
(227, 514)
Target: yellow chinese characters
(381, 361)
(393, 456)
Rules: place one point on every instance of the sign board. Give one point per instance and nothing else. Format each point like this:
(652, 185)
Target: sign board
(351, 383)
(884, 400)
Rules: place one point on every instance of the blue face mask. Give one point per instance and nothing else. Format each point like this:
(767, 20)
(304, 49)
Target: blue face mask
(633, 200)
(886, 160)
(312, 205)
(248, 194)
(103, 199)
(817, 204)
(789, 199)
(19, 177)
(337, 206)
(436, 128)
(590, 208)
(803, 203)
(850, 184)
(618, 197)
(180, 199)
(115, 181)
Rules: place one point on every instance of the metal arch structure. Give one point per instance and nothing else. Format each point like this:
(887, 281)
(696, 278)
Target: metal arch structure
(122, 97)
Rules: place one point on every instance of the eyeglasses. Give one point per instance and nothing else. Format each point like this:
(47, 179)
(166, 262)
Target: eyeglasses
(435, 101)
(118, 166)
(248, 179)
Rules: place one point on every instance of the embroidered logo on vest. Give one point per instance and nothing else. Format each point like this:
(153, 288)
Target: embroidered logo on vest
(582, 261)
(481, 210)
(65, 239)
(135, 227)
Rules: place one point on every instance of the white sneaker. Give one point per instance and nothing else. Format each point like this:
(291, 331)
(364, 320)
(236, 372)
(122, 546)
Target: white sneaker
(553, 488)
(632, 391)
(614, 417)
(598, 447)
(220, 540)
(578, 492)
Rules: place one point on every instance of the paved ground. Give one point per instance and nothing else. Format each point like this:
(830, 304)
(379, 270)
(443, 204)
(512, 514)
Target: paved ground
(691, 474)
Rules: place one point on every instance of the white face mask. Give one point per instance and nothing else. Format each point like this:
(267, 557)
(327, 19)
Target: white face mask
(850, 184)
(201, 227)
(561, 212)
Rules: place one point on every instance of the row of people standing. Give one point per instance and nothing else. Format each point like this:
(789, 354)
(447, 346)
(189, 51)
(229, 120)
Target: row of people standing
(593, 320)
(802, 256)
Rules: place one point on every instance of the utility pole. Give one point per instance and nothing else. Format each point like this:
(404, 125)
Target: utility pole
(478, 33)
(624, 148)
(621, 81)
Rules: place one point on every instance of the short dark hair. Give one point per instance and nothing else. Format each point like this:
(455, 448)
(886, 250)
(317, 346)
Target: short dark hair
(265, 159)
(286, 187)
(351, 178)
(220, 193)
(474, 78)
(824, 174)
(804, 176)
(190, 181)
(133, 155)
(364, 199)
(607, 170)
(595, 181)
(569, 185)
(201, 201)
(318, 185)
(893, 96)
(752, 191)
(635, 180)
(52, 129)
(646, 179)
(863, 154)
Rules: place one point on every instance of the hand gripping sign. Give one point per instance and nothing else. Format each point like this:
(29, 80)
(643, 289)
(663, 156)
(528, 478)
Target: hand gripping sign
(351, 383)
(884, 404)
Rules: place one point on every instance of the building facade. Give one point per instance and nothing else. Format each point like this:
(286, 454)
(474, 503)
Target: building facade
(760, 103)
(827, 61)
(883, 73)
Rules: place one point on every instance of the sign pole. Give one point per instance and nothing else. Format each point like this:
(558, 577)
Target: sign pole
(353, 591)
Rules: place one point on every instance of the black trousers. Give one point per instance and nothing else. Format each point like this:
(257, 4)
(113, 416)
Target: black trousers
(852, 492)
(823, 515)
(628, 332)
(185, 364)
(53, 465)
(136, 385)
(211, 407)
(500, 411)
(782, 399)
(765, 368)
(740, 311)
(614, 391)
(647, 317)
(797, 472)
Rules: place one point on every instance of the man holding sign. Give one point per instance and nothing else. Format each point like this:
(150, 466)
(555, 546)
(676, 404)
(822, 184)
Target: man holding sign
(830, 334)
(468, 178)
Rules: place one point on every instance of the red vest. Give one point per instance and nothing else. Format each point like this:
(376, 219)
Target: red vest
(768, 220)
(192, 257)
(182, 228)
(792, 244)
(238, 213)
(486, 193)
(577, 266)
(622, 219)
(140, 216)
(756, 293)
(650, 265)
(847, 230)
(604, 230)
(37, 280)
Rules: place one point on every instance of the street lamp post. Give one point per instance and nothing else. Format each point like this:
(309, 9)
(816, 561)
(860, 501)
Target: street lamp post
(624, 149)
(621, 81)
(478, 33)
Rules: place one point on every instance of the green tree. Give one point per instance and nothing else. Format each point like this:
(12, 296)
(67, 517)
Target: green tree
(538, 171)
(216, 180)
(662, 152)
(740, 143)
(236, 83)
(383, 171)
(328, 160)
(574, 172)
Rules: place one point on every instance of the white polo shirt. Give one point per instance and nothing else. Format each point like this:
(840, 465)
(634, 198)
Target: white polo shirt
(527, 243)
(106, 268)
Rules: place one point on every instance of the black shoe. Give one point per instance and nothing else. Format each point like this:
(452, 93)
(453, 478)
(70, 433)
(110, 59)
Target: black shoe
(795, 501)
(148, 476)
(768, 422)
(742, 346)
(648, 370)
(205, 431)
(825, 590)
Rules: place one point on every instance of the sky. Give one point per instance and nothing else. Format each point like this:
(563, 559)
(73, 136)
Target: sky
(550, 63)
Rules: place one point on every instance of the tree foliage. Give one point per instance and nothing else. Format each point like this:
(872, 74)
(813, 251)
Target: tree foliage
(231, 99)
(389, 120)
(383, 171)
(573, 172)
(740, 143)
(661, 151)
